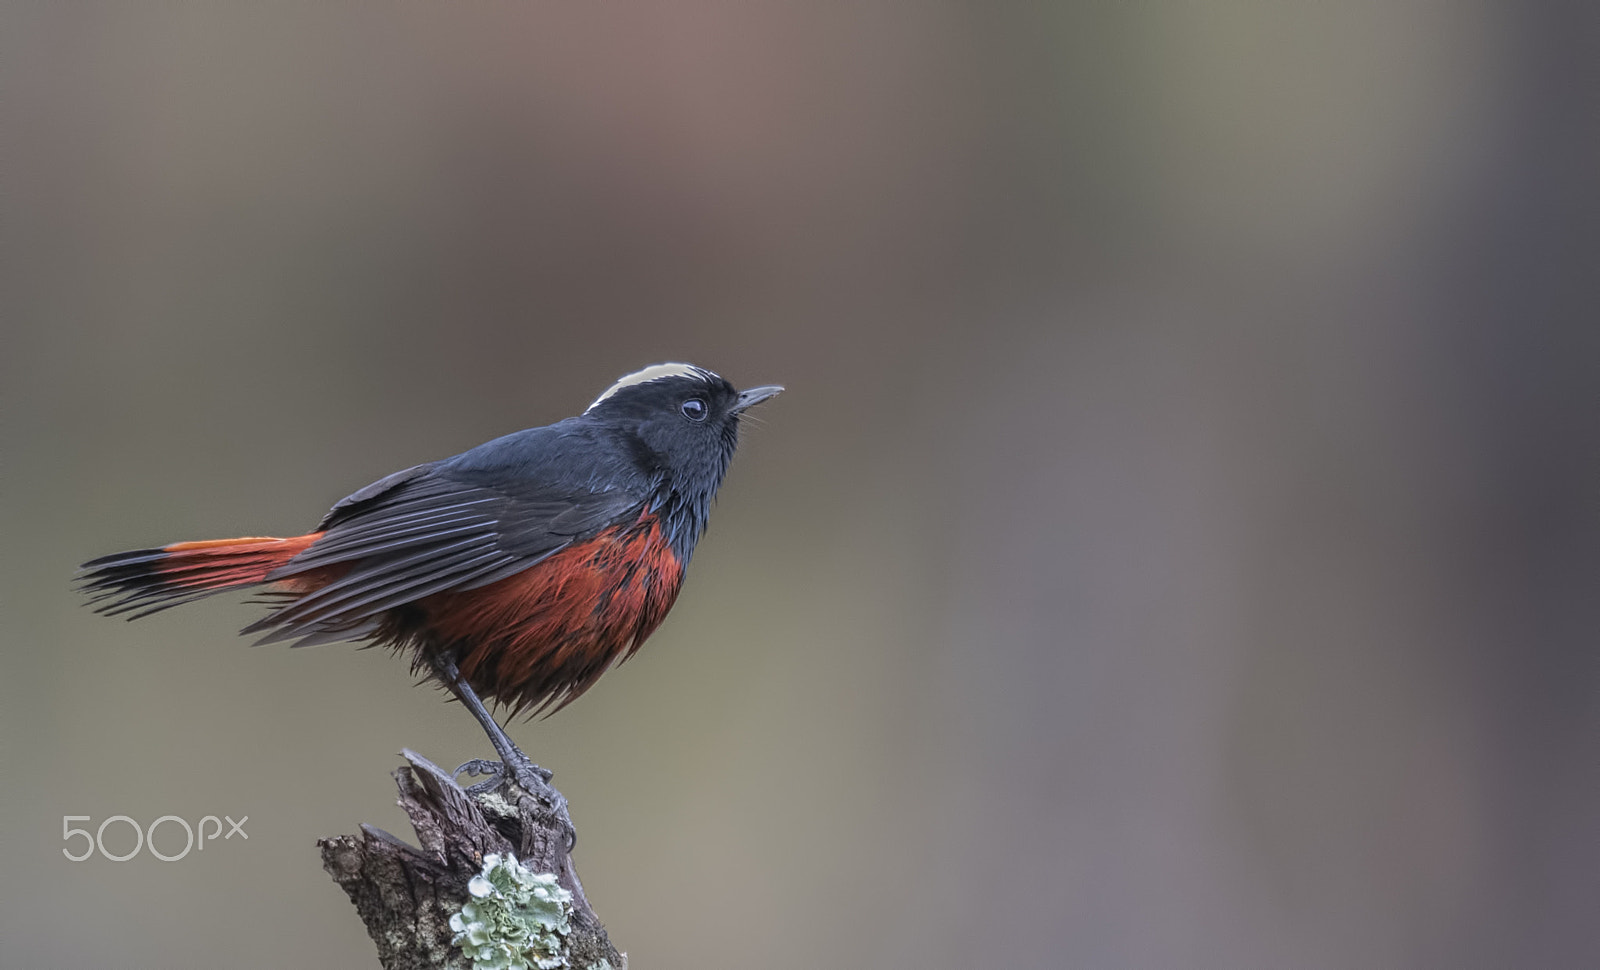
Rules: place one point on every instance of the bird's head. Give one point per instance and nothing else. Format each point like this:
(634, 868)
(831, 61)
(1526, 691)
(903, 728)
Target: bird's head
(685, 417)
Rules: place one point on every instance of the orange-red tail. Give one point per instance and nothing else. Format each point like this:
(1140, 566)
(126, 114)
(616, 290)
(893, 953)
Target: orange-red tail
(147, 581)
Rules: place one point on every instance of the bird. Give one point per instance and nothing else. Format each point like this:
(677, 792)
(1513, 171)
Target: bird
(517, 572)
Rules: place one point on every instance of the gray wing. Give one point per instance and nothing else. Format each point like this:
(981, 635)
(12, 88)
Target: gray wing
(421, 532)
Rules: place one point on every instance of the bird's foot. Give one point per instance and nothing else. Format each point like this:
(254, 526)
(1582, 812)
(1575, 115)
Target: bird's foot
(524, 772)
(474, 768)
(529, 777)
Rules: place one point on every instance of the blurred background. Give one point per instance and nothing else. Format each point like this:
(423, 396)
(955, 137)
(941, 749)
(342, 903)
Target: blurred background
(1177, 547)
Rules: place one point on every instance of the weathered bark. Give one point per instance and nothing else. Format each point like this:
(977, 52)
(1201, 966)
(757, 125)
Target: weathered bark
(406, 895)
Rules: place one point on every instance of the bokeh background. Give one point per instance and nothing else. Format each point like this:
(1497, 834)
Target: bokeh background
(1177, 548)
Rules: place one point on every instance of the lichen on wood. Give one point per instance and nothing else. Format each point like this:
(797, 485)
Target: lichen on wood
(406, 895)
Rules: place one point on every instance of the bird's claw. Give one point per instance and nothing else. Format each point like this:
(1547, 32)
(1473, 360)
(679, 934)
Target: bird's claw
(476, 767)
(527, 774)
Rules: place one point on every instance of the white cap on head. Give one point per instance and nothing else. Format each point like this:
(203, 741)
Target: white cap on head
(655, 372)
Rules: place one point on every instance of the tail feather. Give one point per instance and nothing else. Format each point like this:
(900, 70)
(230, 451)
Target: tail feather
(147, 581)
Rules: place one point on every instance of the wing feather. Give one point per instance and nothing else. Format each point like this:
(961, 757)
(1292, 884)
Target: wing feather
(422, 532)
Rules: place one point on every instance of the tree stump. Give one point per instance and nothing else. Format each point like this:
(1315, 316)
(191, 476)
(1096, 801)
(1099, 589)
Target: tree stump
(406, 894)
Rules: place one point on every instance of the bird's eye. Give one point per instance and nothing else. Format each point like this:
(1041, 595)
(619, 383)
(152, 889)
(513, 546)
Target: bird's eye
(694, 409)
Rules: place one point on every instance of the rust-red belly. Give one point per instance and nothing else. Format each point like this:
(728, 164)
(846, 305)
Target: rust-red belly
(542, 637)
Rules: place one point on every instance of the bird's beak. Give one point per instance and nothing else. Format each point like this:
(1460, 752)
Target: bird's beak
(756, 395)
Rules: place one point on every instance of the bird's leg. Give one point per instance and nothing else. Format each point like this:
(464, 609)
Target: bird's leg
(522, 770)
(529, 776)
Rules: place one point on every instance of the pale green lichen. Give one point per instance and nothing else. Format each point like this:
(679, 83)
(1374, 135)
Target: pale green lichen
(495, 803)
(515, 920)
